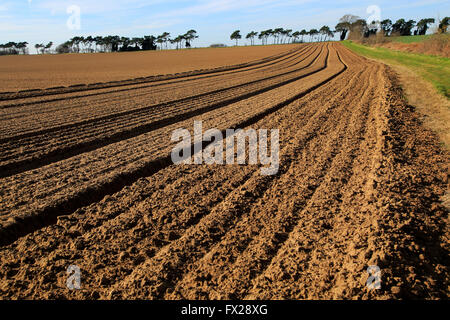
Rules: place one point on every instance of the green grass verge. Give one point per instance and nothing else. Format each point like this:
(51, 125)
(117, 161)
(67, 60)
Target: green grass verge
(432, 68)
(410, 39)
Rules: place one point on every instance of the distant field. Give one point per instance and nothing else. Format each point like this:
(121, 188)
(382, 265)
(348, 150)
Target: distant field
(44, 71)
(431, 68)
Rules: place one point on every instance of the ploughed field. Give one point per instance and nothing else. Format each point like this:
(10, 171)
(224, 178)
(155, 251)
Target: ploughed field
(86, 179)
(49, 71)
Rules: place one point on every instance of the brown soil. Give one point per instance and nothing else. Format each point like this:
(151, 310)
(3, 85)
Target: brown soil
(87, 180)
(45, 71)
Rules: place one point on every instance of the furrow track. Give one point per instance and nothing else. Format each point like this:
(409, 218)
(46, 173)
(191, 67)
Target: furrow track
(182, 83)
(27, 119)
(85, 87)
(91, 176)
(30, 150)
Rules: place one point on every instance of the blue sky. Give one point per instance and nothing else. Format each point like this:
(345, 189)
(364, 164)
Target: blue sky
(39, 21)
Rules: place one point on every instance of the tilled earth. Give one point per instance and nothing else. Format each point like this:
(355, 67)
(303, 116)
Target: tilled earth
(40, 71)
(87, 180)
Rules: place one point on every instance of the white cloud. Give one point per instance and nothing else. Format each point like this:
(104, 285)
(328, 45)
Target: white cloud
(158, 24)
(3, 7)
(94, 6)
(420, 3)
(206, 7)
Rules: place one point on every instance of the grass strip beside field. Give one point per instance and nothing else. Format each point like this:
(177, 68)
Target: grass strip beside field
(410, 39)
(432, 68)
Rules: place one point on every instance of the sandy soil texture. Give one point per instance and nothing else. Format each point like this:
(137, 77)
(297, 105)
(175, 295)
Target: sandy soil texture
(86, 179)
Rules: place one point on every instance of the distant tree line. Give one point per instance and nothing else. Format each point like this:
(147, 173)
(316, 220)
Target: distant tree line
(91, 44)
(360, 28)
(281, 35)
(348, 23)
(14, 48)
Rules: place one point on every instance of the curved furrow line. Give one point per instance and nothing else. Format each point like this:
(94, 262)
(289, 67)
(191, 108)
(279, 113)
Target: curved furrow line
(158, 110)
(164, 204)
(84, 87)
(166, 264)
(28, 221)
(173, 206)
(341, 162)
(47, 116)
(358, 185)
(128, 119)
(328, 201)
(248, 242)
(100, 137)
